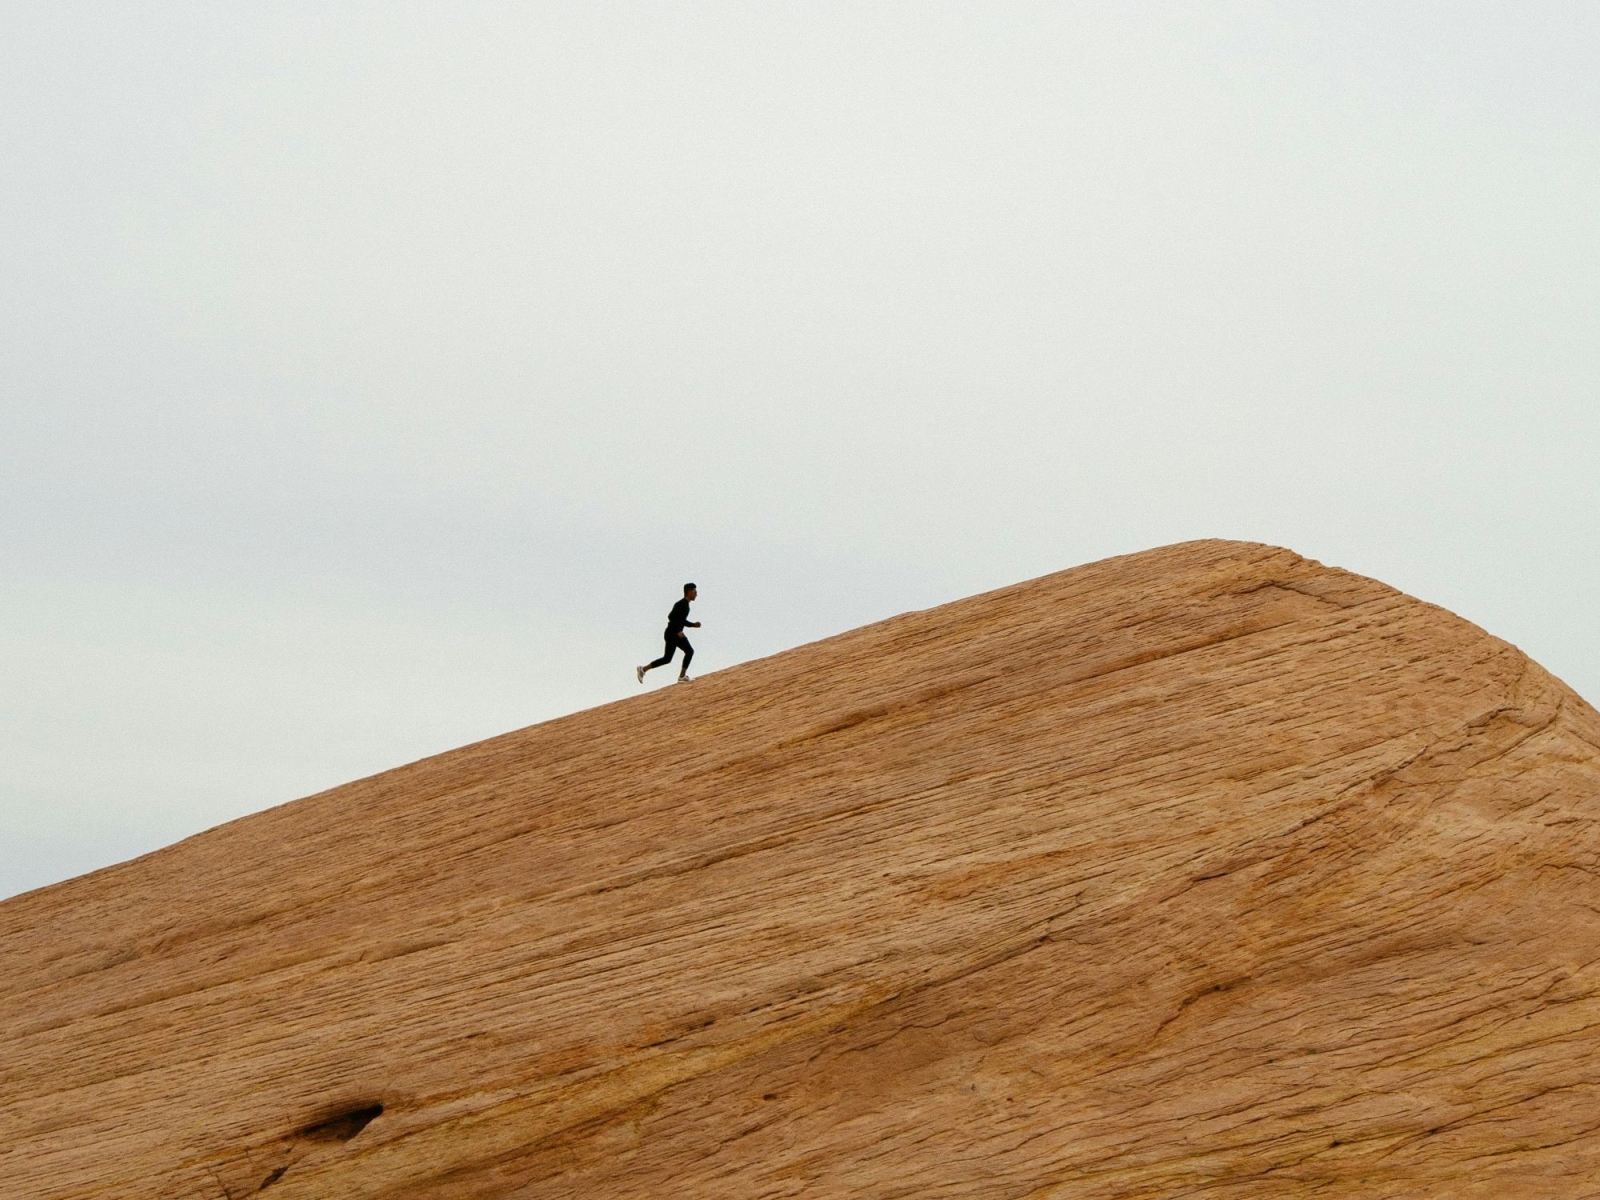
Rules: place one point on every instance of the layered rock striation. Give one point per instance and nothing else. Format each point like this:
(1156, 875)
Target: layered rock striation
(1208, 870)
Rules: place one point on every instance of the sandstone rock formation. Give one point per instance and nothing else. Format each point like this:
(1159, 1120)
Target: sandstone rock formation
(1206, 871)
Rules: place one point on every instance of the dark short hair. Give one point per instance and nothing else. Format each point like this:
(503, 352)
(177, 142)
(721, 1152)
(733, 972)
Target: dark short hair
(687, 586)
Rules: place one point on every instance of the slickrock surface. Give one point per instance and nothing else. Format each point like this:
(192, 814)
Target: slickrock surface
(1205, 871)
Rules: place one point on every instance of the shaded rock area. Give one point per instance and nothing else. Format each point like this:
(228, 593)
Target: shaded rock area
(1205, 871)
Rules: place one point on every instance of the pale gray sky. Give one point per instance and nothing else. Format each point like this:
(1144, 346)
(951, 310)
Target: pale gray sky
(374, 374)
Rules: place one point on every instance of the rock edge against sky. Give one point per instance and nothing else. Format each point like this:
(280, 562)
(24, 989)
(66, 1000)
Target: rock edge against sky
(1203, 868)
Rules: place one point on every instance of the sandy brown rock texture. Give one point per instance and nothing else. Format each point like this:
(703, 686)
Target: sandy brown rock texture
(1206, 871)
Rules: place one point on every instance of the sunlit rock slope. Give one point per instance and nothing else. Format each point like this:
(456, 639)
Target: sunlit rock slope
(1208, 870)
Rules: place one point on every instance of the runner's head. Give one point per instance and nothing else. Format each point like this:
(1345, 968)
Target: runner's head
(689, 591)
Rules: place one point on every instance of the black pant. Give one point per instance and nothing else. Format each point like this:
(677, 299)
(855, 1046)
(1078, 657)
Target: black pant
(675, 641)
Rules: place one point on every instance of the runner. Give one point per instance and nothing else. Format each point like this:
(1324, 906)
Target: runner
(677, 620)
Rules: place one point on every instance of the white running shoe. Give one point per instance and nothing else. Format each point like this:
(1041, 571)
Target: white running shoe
(638, 673)
(684, 679)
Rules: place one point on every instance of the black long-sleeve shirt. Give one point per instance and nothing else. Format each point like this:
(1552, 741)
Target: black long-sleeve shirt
(678, 617)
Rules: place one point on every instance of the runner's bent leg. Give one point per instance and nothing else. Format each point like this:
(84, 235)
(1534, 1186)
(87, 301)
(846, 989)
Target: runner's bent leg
(688, 653)
(665, 658)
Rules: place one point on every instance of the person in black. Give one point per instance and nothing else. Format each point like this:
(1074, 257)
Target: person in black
(677, 621)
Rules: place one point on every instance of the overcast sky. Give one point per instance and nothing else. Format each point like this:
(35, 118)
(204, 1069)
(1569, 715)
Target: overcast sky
(373, 375)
